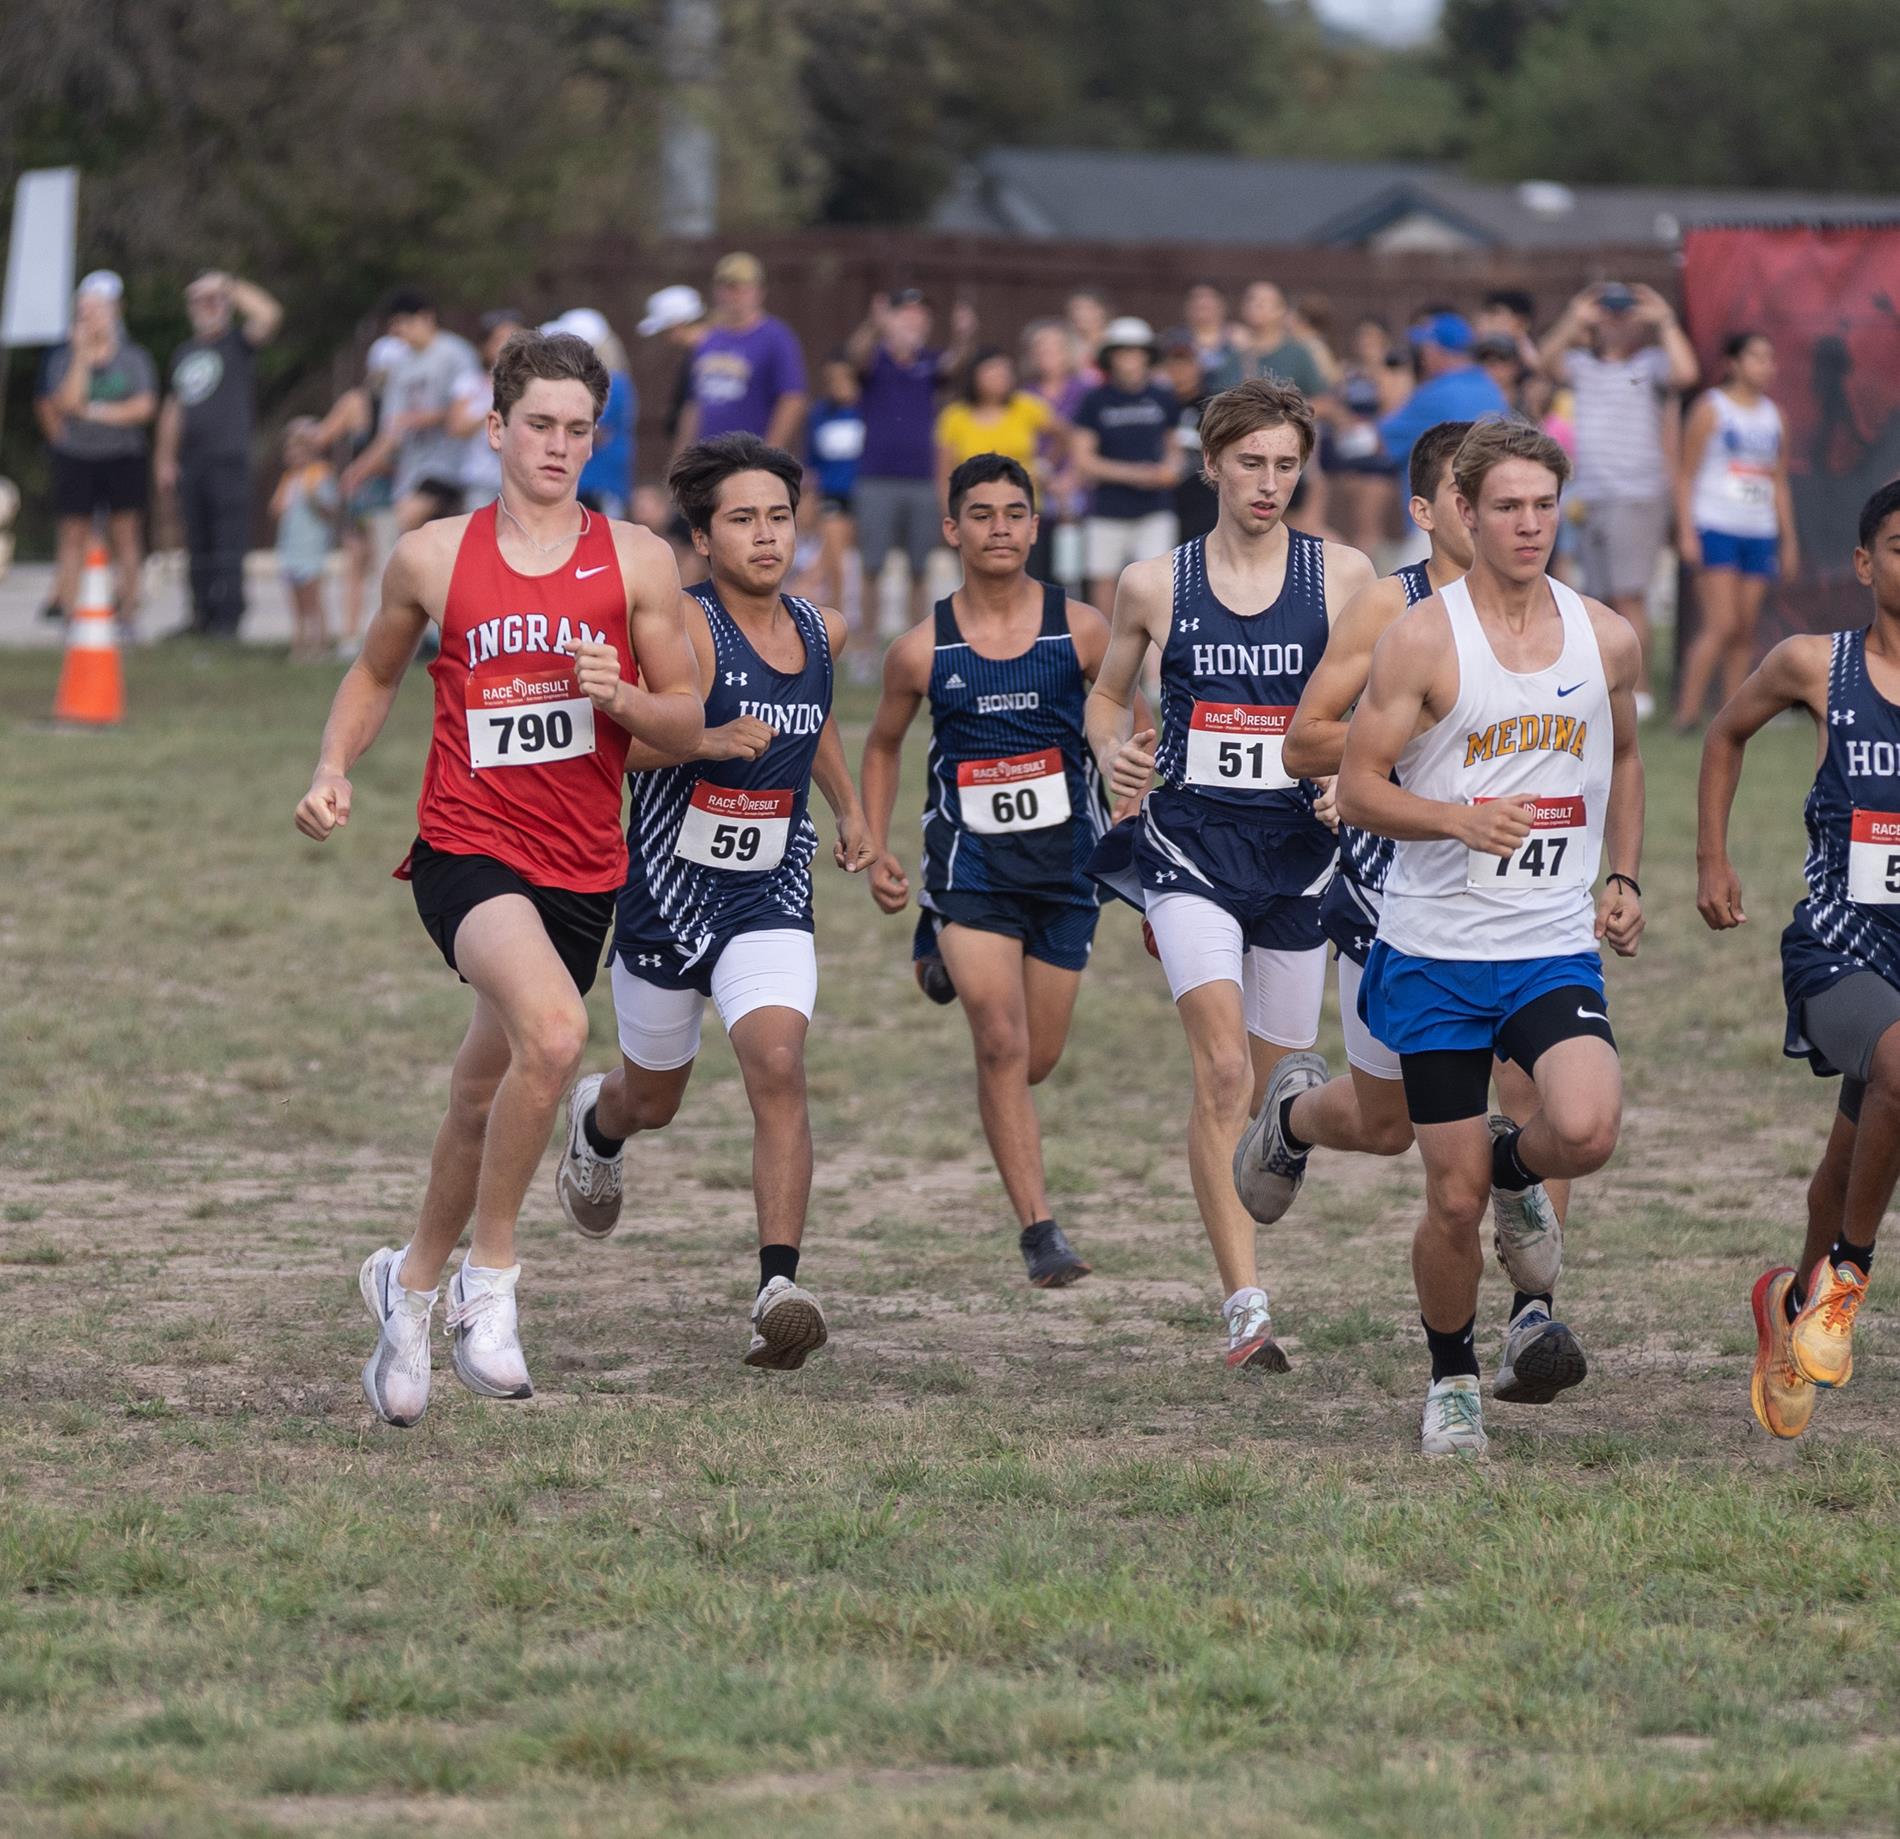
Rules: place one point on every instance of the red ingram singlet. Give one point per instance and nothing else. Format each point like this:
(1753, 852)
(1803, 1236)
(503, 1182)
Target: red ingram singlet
(522, 766)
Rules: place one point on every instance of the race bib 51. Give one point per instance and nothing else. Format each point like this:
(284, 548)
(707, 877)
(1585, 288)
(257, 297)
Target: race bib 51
(730, 828)
(527, 715)
(1552, 856)
(1238, 745)
(1028, 791)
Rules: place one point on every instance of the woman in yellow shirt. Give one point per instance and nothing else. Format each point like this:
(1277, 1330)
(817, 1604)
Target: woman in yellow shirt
(991, 415)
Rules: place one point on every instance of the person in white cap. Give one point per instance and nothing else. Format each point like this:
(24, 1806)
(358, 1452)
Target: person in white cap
(678, 315)
(97, 396)
(607, 478)
(1126, 447)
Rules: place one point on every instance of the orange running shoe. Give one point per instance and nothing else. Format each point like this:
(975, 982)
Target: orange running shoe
(1822, 1339)
(1782, 1397)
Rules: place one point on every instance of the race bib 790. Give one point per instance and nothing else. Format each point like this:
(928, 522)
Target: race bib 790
(527, 715)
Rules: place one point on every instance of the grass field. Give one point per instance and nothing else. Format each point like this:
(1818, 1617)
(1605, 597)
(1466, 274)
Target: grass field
(997, 1560)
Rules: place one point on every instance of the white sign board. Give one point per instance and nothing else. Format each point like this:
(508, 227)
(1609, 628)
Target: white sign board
(37, 307)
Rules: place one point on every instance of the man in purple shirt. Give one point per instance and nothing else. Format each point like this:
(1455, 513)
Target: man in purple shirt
(748, 374)
(895, 501)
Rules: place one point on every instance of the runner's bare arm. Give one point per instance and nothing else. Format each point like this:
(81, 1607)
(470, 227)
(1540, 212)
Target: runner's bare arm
(664, 709)
(1792, 676)
(644, 759)
(906, 682)
(832, 776)
(1317, 736)
(1619, 906)
(1089, 631)
(1125, 753)
(1695, 439)
(1349, 572)
(368, 690)
(1404, 665)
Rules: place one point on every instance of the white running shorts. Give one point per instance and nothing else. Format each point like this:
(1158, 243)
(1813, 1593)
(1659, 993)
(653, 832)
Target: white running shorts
(1200, 942)
(659, 1029)
(1364, 1049)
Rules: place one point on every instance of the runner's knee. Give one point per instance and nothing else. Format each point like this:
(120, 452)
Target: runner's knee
(1456, 1199)
(1388, 1136)
(551, 1042)
(1001, 1041)
(647, 1105)
(1223, 1078)
(1043, 1061)
(775, 1071)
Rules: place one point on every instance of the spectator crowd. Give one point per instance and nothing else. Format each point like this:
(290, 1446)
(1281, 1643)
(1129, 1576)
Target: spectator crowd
(1100, 406)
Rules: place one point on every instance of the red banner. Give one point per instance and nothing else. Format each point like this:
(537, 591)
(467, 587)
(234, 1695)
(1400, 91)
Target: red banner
(1829, 298)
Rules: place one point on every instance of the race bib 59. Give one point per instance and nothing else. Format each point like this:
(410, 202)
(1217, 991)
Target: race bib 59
(1873, 859)
(1028, 791)
(1238, 745)
(726, 827)
(527, 715)
(1552, 856)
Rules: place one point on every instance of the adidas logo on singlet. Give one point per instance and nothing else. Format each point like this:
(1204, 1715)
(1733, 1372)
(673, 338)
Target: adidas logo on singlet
(953, 682)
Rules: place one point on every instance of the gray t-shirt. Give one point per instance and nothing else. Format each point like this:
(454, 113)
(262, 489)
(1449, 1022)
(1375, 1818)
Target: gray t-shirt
(427, 381)
(1619, 423)
(127, 373)
(214, 381)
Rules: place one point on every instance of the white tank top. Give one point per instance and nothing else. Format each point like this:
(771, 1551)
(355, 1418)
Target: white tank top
(1734, 490)
(1546, 733)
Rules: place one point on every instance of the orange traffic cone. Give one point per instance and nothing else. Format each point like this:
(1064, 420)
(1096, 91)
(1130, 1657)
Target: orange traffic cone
(91, 684)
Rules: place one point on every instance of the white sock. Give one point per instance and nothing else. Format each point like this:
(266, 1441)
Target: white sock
(402, 1259)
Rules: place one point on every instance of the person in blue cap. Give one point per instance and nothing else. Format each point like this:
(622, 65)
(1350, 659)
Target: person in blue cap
(1452, 386)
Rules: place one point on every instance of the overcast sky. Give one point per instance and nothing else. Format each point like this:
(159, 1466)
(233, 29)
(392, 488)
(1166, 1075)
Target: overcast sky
(1395, 22)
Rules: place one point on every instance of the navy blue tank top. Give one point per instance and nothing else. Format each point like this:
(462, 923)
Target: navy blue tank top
(717, 847)
(1014, 802)
(1230, 683)
(1851, 917)
(1363, 857)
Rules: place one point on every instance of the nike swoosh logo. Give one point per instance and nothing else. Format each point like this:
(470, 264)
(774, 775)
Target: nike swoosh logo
(1573, 689)
(581, 574)
(1592, 1015)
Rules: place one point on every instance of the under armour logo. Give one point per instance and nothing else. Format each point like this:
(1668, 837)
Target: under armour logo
(1841, 718)
(1167, 874)
(1190, 625)
(735, 676)
(953, 682)
(649, 959)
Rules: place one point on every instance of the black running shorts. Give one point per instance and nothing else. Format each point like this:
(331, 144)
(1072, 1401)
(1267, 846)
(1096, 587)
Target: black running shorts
(449, 888)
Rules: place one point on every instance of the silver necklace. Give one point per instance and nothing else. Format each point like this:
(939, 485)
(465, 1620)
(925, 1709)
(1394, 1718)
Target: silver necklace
(546, 549)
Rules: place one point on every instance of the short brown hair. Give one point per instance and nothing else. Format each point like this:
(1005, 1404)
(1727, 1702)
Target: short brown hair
(554, 357)
(1433, 451)
(1261, 402)
(1498, 438)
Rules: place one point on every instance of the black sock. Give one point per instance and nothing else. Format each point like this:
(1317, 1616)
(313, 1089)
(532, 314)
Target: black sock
(1297, 1146)
(1453, 1353)
(777, 1261)
(1793, 1298)
(1522, 1300)
(1507, 1168)
(597, 1139)
(1859, 1256)
(1034, 1229)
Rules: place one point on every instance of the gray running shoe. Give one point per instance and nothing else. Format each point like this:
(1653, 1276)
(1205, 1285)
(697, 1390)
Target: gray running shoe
(587, 1185)
(396, 1377)
(787, 1324)
(1454, 1418)
(485, 1336)
(1541, 1359)
(1267, 1175)
(1526, 1231)
(1050, 1257)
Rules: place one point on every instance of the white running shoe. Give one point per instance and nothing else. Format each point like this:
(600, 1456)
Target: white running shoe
(1250, 1341)
(396, 1378)
(1454, 1418)
(587, 1185)
(1541, 1359)
(787, 1324)
(484, 1335)
(1267, 1175)
(1526, 1231)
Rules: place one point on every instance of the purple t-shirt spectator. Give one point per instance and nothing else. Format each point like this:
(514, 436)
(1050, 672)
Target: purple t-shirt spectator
(737, 377)
(899, 406)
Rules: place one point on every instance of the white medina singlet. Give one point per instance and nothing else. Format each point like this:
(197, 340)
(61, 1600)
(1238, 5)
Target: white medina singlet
(1545, 733)
(1735, 484)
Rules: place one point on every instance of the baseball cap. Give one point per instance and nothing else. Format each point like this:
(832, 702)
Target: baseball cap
(677, 305)
(1128, 333)
(1448, 331)
(101, 284)
(579, 322)
(739, 269)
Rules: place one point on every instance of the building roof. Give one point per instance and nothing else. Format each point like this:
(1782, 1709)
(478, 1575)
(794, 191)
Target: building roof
(1217, 198)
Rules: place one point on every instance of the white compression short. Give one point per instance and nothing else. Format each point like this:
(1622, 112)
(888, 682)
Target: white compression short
(1200, 942)
(1364, 1049)
(659, 1029)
